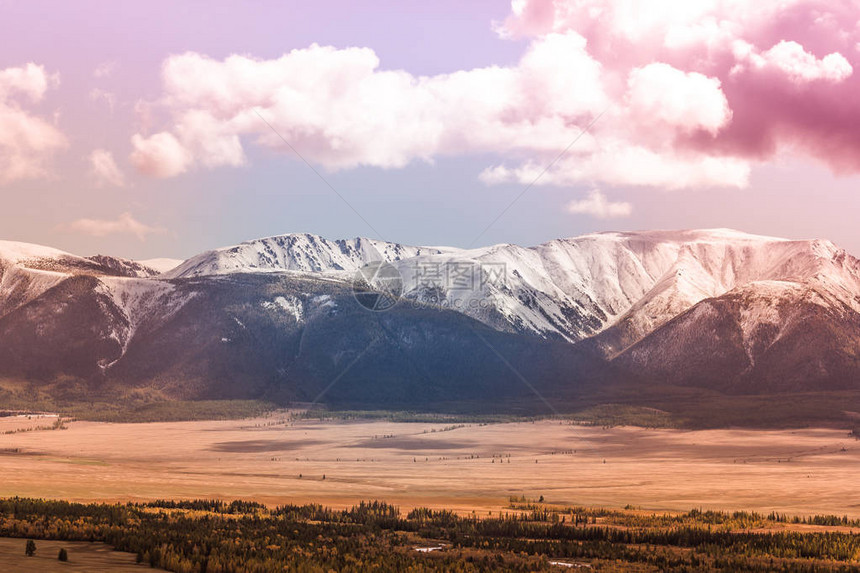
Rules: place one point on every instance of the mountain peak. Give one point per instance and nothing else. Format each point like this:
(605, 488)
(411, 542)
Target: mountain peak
(296, 252)
(683, 235)
(648, 299)
(17, 252)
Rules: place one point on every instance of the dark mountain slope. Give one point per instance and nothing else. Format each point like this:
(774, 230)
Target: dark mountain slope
(68, 330)
(287, 338)
(764, 339)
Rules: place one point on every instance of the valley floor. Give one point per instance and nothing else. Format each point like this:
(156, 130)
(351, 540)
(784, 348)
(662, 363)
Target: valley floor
(468, 467)
(83, 556)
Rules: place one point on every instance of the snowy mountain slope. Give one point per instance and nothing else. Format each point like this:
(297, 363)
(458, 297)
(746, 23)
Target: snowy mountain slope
(626, 284)
(83, 324)
(504, 286)
(708, 269)
(113, 266)
(525, 301)
(297, 252)
(14, 252)
(27, 271)
(766, 336)
(40, 258)
(42, 280)
(18, 286)
(144, 304)
(616, 287)
(621, 286)
(709, 307)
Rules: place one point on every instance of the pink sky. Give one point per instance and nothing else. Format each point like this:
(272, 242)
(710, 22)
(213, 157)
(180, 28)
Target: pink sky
(140, 131)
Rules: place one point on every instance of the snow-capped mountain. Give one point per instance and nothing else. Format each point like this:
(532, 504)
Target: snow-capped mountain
(637, 298)
(568, 289)
(711, 264)
(765, 336)
(46, 285)
(304, 253)
(716, 307)
(47, 259)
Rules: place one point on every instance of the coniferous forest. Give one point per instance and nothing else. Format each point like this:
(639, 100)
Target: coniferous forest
(211, 536)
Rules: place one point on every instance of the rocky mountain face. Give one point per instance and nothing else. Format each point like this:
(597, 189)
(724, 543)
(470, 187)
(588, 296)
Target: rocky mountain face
(277, 317)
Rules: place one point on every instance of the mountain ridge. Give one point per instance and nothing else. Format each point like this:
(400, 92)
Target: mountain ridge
(713, 308)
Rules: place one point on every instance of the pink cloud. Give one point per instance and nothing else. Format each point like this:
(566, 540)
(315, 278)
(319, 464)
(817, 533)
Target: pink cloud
(801, 66)
(29, 80)
(784, 67)
(688, 94)
(340, 110)
(27, 141)
(597, 205)
(124, 224)
(160, 155)
(689, 101)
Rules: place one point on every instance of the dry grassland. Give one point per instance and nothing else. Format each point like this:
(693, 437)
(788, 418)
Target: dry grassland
(474, 467)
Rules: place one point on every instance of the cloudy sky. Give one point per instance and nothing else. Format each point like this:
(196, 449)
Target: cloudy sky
(166, 128)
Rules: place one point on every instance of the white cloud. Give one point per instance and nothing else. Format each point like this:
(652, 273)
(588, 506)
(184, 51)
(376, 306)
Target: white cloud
(29, 80)
(597, 205)
(792, 59)
(802, 66)
(104, 169)
(661, 93)
(27, 142)
(621, 163)
(650, 26)
(160, 155)
(661, 75)
(124, 224)
(338, 109)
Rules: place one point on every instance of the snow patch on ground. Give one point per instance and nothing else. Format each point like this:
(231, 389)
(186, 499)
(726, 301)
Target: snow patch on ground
(289, 304)
(324, 301)
(142, 301)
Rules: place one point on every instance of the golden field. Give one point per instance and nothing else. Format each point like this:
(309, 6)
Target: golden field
(275, 459)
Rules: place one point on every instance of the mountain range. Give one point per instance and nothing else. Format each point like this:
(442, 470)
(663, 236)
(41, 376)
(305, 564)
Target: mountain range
(278, 318)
